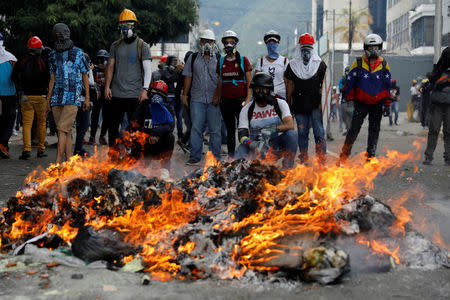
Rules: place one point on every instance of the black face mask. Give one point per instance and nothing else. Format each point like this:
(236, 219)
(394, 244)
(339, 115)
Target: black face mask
(229, 50)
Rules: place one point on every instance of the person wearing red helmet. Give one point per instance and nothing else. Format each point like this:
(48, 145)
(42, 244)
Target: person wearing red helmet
(154, 117)
(304, 77)
(31, 76)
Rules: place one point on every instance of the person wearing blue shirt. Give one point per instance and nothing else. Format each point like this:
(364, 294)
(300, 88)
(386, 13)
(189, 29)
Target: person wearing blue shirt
(8, 99)
(68, 74)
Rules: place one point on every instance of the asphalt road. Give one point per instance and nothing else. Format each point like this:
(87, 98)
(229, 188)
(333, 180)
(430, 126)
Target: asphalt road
(431, 215)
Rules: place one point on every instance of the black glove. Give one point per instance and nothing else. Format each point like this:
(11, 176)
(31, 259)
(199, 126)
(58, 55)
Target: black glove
(386, 110)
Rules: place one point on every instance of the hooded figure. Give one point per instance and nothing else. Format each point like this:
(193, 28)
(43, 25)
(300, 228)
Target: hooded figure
(61, 37)
(5, 55)
(306, 61)
(304, 77)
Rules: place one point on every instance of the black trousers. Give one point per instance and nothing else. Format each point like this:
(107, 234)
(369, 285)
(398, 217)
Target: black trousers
(117, 108)
(439, 114)
(98, 105)
(231, 108)
(7, 118)
(360, 112)
(161, 150)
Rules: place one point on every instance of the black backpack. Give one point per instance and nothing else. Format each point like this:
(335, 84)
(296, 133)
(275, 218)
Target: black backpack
(32, 69)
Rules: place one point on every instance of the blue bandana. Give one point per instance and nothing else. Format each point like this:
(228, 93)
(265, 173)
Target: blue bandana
(160, 114)
(272, 49)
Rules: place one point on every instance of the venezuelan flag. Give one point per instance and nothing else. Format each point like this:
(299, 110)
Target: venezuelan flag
(373, 84)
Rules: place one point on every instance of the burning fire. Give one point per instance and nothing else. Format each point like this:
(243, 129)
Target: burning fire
(314, 194)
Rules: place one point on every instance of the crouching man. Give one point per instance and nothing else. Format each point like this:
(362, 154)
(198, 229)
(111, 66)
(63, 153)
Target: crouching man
(154, 117)
(266, 124)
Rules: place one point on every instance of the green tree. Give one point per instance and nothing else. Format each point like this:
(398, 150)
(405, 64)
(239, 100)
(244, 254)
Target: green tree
(93, 23)
(359, 27)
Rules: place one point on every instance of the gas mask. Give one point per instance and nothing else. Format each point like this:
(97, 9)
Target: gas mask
(372, 51)
(206, 49)
(262, 97)
(306, 55)
(127, 30)
(172, 69)
(230, 48)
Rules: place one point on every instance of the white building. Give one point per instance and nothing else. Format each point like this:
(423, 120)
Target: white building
(398, 29)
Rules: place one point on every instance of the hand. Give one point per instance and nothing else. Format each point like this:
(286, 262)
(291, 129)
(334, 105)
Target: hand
(248, 99)
(86, 104)
(153, 139)
(216, 100)
(143, 96)
(386, 110)
(184, 100)
(108, 93)
(256, 146)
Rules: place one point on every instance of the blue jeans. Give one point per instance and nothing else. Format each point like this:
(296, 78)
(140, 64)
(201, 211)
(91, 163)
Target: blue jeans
(178, 115)
(394, 110)
(304, 123)
(201, 113)
(284, 145)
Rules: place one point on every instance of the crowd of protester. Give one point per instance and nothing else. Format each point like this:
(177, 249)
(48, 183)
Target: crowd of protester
(270, 113)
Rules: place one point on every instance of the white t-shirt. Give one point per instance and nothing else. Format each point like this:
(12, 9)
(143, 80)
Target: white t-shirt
(276, 70)
(263, 116)
(414, 91)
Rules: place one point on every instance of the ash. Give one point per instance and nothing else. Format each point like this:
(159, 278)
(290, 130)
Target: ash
(240, 220)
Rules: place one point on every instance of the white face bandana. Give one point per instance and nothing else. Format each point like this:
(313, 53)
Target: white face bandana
(298, 66)
(5, 55)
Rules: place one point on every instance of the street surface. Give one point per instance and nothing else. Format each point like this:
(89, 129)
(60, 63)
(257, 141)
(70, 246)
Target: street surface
(430, 215)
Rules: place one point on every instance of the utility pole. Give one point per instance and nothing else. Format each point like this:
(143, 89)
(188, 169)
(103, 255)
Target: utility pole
(350, 28)
(437, 30)
(334, 44)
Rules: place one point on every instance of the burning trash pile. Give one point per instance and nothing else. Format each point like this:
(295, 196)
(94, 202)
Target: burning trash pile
(231, 220)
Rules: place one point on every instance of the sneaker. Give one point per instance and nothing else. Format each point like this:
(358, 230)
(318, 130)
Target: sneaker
(192, 162)
(25, 155)
(91, 141)
(41, 154)
(102, 141)
(427, 162)
(4, 152)
(330, 137)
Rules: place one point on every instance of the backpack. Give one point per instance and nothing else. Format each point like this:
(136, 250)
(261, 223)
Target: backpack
(194, 57)
(284, 63)
(32, 68)
(139, 51)
(233, 80)
(276, 106)
(358, 73)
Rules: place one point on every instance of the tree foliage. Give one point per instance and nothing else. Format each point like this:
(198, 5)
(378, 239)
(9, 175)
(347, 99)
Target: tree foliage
(93, 23)
(360, 20)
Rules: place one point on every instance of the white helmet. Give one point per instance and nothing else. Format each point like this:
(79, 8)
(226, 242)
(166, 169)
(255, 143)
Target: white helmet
(207, 34)
(229, 34)
(373, 40)
(271, 35)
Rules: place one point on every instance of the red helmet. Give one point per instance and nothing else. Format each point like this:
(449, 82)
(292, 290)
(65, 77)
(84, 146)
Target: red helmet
(35, 43)
(159, 86)
(306, 39)
(163, 59)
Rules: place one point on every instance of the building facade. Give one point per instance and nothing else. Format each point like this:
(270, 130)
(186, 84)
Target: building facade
(398, 28)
